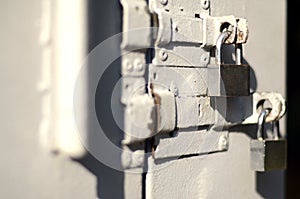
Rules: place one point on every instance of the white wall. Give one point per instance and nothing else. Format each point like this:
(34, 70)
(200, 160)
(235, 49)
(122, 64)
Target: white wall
(27, 168)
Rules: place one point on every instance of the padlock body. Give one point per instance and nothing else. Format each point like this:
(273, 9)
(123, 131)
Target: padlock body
(228, 80)
(268, 155)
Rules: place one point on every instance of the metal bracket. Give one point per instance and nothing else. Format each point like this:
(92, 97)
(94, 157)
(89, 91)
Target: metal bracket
(133, 10)
(193, 142)
(277, 105)
(179, 22)
(136, 37)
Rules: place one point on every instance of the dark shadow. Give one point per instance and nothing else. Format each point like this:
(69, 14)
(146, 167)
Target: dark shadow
(238, 108)
(250, 130)
(109, 181)
(104, 103)
(268, 184)
(228, 54)
(293, 99)
(104, 21)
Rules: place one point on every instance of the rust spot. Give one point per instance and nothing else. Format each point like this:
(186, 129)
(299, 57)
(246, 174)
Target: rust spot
(155, 114)
(240, 35)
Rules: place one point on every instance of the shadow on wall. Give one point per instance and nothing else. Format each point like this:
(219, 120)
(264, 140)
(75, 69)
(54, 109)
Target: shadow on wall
(269, 184)
(109, 181)
(104, 20)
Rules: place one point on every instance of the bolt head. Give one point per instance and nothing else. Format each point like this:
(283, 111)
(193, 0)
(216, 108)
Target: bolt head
(138, 65)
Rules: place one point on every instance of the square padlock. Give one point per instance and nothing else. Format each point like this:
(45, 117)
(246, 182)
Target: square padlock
(267, 154)
(228, 79)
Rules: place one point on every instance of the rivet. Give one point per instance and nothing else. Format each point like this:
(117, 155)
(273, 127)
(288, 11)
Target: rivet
(138, 65)
(128, 66)
(163, 55)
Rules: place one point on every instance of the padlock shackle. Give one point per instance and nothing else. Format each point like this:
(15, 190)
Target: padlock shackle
(220, 41)
(261, 123)
(276, 129)
(238, 54)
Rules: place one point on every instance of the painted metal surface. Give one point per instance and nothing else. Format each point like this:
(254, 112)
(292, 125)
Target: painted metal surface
(28, 170)
(204, 176)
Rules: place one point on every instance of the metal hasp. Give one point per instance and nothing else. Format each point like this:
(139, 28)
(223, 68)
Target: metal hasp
(268, 153)
(180, 86)
(178, 104)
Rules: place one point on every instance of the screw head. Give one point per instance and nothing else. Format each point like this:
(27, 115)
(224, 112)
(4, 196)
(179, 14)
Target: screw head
(205, 4)
(164, 2)
(163, 55)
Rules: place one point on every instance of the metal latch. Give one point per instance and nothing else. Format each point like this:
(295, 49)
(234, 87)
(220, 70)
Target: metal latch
(184, 92)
